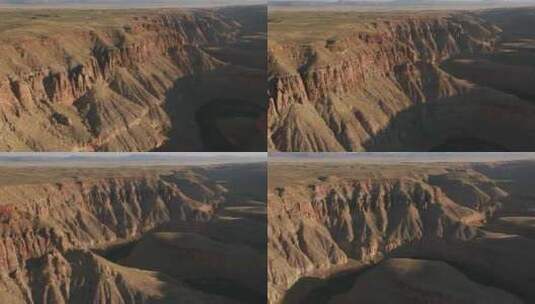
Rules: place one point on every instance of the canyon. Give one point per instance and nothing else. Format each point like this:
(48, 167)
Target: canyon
(400, 80)
(400, 232)
(146, 79)
(135, 234)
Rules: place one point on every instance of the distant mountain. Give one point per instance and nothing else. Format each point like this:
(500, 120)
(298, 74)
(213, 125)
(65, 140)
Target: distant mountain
(404, 157)
(381, 2)
(93, 159)
(132, 2)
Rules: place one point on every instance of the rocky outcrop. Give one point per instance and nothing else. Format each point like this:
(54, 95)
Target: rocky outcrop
(380, 86)
(316, 226)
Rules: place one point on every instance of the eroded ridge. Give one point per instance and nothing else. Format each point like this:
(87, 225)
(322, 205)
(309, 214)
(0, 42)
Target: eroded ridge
(345, 230)
(394, 81)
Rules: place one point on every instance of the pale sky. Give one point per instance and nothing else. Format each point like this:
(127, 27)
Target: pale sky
(429, 1)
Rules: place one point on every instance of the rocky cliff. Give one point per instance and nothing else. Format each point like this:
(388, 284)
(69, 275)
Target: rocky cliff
(315, 225)
(86, 80)
(86, 214)
(378, 84)
(50, 228)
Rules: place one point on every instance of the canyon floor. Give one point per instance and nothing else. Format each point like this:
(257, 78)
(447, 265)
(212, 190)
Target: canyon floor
(147, 79)
(410, 232)
(401, 80)
(133, 234)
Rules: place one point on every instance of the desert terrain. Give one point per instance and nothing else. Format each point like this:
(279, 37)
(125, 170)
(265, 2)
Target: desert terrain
(400, 78)
(123, 78)
(145, 233)
(435, 231)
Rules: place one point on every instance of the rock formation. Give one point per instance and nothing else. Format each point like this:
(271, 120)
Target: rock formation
(325, 217)
(62, 239)
(398, 82)
(121, 80)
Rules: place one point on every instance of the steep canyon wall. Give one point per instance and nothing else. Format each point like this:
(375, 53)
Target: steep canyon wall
(366, 81)
(318, 225)
(103, 80)
(49, 229)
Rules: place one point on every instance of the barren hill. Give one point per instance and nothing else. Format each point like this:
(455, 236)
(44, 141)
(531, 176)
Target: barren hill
(132, 79)
(401, 80)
